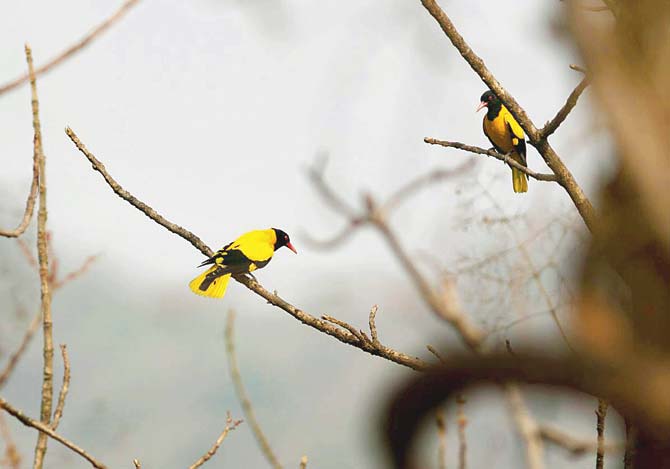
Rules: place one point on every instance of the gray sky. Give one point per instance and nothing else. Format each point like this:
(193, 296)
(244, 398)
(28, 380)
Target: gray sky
(210, 111)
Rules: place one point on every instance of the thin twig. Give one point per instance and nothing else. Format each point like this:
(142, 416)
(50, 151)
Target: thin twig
(70, 51)
(527, 427)
(562, 114)
(574, 445)
(243, 397)
(230, 425)
(137, 464)
(43, 258)
(64, 388)
(12, 456)
(45, 429)
(358, 334)
(462, 421)
(373, 325)
(494, 154)
(30, 204)
(303, 462)
(601, 413)
(441, 423)
(14, 358)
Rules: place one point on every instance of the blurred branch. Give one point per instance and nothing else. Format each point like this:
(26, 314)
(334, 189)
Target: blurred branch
(601, 413)
(12, 457)
(14, 358)
(46, 430)
(462, 442)
(574, 445)
(43, 259)
(303, 462)
(64, 388)
(494, 154)
(70, 51)
(230, 425)
(441, 423)
(137, 464)
(562, 114)
(527, 427)
(243, 397)
(631, 438)
(564, 176)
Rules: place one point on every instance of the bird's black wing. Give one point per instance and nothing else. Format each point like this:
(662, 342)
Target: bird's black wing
(216, 255)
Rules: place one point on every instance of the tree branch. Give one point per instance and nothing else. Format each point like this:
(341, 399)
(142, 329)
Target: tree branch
(70, 51)
(565, 177)
(494, 154)
(230, 425)
(46, 430)
(243, 397)
(64, 388)
(43, 259)
(562, 114)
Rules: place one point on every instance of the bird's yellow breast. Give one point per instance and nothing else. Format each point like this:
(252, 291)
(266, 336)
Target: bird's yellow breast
(258, 245)
(499, 132)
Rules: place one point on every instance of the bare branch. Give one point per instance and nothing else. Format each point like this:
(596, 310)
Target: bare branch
(462, 442)
(494, 154)
(601, 413)
(527, 427)
(578, 68)
(355, 332)
(373, 325)
(64, 388)
(43, 259)
(565, 177)
(30, 204)
(441, 423)
(137, 464)
(272, 298)
(69, 52)
(12, 456)
(243, 397)
(45, 429)
(562, 114)
(14, 358)
(575, 446)
(230, 425)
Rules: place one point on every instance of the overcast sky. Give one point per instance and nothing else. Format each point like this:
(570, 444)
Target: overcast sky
(211, 111)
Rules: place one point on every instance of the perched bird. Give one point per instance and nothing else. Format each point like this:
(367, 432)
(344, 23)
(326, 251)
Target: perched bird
(251, 251)
(506, 135)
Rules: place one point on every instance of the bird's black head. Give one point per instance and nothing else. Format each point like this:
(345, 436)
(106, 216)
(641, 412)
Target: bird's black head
(490, 101)
(283, 240)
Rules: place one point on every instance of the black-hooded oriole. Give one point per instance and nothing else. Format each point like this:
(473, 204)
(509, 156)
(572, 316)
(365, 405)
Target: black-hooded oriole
(249, 252)
(506, 135)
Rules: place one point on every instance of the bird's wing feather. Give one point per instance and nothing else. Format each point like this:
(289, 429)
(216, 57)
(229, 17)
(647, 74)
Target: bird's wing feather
(518, 139)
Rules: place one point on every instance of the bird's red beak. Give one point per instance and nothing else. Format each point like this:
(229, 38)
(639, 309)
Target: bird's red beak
(483, 104)
(290, 246)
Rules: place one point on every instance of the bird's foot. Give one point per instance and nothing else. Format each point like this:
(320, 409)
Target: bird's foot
(252, 276)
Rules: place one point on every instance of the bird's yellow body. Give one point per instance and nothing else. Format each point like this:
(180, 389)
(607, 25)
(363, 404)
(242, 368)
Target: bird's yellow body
(249, 252)
(507, 137)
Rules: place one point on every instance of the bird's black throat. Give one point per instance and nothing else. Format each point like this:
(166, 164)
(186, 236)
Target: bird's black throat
(494, 107)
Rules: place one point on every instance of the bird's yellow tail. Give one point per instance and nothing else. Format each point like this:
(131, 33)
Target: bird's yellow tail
(519, 181)
(203, 286)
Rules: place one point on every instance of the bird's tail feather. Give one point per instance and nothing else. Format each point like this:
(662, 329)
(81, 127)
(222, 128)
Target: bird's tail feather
(210, 286)
(519, 181)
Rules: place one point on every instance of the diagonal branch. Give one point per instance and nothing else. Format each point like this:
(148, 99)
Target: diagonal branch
(272, 298)
(70, 51)
(64, 388)
(230, 425)
(46, 430)
(562, 114)
(243, 397)
(494, 154)
(565, 177)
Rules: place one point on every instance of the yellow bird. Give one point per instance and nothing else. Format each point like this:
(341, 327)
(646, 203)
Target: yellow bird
(506, 135)
(251, 251)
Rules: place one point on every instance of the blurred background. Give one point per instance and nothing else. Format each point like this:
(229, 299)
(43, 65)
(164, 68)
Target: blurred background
(211, 112)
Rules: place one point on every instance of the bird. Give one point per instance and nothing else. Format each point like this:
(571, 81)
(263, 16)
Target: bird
(249, 252)
(506, 135)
